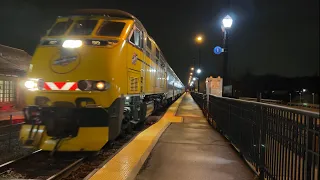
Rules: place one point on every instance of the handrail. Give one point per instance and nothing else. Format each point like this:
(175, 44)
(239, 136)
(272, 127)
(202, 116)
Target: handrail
(273, 106)
(267, 135)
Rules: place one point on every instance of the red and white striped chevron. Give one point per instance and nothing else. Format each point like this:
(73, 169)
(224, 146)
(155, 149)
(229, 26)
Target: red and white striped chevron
(61, 86)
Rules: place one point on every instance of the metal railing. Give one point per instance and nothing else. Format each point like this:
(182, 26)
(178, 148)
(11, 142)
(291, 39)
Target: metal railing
(271, 101)
(294, 104)
(307, 105)
(279, 142)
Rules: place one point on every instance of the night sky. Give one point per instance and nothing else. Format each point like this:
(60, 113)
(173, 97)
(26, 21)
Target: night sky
(278, 37)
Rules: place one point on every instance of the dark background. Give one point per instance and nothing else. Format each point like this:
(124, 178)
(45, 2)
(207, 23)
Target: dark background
(273, 38)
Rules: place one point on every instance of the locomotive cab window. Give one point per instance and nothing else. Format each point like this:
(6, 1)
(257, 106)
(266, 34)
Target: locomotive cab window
(111, 28)
(148, 43)
(136, 37)
(83, 27)
(60, 28)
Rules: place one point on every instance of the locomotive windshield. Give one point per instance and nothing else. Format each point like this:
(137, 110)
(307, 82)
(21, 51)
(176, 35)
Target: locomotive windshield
(86, 27)
(111, 28)
(60, 28)
(83, 27)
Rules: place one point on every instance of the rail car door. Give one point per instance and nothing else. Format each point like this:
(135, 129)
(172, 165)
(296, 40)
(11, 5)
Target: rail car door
(135, 62)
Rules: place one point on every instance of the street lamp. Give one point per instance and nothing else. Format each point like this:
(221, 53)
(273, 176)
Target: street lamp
(191, 73)
(192, 68)
(199, 40)
(227, 23)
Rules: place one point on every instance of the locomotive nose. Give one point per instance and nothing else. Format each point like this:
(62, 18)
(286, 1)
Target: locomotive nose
(65, 60)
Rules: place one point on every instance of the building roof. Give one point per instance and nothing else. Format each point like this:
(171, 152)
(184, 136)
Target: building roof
(13, 60)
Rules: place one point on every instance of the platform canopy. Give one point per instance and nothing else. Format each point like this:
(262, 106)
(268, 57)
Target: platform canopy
(13, 61)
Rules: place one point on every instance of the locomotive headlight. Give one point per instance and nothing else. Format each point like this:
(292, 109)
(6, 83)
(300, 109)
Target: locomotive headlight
(72, 44)
(30, 84)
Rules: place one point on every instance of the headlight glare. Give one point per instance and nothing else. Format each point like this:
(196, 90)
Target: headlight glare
(72, 44)
(30, 84)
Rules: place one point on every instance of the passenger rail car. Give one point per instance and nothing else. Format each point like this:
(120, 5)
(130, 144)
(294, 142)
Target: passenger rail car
(94, 75)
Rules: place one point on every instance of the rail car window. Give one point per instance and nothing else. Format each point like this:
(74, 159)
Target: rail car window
(60, 28)
(83, 27)
(111, 28)
(148, 54)
(136, 38)
(157, 53)
(148, 43)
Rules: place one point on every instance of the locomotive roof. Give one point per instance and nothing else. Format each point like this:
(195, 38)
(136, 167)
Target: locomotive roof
(106, 12)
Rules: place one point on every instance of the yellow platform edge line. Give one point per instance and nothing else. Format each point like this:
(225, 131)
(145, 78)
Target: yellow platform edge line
(127, 163)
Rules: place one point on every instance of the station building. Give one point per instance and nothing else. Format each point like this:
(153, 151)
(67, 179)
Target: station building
(13, 67)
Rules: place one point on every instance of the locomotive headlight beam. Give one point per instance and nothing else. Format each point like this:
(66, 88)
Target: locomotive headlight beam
(72, 44)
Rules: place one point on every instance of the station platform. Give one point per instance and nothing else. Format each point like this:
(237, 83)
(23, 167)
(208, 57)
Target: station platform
(181, 145)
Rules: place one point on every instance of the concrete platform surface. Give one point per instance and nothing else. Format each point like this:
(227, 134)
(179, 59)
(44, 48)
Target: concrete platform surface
(192, 150)
(127, 163)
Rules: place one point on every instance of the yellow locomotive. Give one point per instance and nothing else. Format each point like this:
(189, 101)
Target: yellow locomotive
(93, 75)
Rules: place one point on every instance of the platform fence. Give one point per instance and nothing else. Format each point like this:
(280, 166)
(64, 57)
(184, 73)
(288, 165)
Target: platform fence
(278, 142)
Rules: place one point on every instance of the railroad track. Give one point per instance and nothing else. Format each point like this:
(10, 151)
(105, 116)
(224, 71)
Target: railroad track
(69, 166)
(41, 165)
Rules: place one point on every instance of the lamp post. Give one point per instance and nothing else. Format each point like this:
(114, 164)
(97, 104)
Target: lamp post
(199, 40)
(290, 98)
(300, 97)
(312, 98)
(226, 25)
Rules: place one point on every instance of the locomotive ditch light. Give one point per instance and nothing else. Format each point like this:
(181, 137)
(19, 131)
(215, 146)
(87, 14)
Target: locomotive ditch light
(90, 85)
(101, 85)
(32, 84)
(72, 44)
